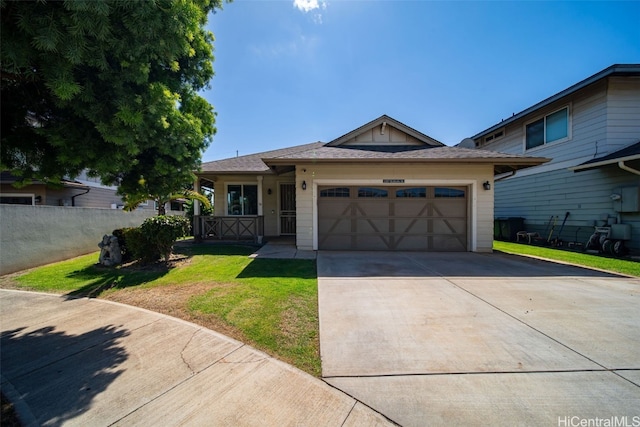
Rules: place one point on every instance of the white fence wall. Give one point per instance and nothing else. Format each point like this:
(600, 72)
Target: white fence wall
(36, 235)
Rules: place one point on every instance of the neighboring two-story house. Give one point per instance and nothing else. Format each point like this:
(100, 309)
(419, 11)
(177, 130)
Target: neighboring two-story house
(591, 131)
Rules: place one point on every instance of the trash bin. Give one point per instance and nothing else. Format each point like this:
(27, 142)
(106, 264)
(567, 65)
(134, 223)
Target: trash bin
(507, 228)
(497, 228)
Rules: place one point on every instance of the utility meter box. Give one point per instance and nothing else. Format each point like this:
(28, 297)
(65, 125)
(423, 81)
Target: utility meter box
(629, 200)
(620, 232)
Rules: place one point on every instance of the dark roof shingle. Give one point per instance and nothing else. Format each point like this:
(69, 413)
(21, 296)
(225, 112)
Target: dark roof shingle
(632, 152)
(391, 153)
(252, 163)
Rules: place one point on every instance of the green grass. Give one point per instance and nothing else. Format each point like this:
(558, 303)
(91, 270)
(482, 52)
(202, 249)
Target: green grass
(82, 276)
(622, 266)
(274, 303)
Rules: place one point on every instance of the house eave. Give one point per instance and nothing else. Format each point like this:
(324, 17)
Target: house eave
(529, 161)
(274, 170)
(237, 172)
(608, 162)
(62, 184)
(500, 166)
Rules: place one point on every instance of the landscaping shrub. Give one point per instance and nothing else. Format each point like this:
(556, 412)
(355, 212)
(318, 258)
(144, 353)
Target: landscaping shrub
(161, 232)
(121, 233)
(153, 239)
(139, 246)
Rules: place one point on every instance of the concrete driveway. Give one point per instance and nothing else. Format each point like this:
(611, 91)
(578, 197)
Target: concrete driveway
(480, 339)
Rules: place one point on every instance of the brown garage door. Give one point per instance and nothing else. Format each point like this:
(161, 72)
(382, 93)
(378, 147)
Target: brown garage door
(392, 218)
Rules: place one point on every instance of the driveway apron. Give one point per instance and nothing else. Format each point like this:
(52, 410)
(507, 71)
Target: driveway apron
(479, 339)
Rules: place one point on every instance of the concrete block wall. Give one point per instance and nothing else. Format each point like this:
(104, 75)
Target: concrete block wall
(31, 236)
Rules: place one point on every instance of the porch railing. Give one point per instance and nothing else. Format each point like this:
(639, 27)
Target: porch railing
(229, 227)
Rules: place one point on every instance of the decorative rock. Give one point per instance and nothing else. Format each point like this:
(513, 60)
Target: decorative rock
(110, 253)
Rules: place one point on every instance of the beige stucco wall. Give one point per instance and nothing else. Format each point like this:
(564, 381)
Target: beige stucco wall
(36, 235)
(471, 175)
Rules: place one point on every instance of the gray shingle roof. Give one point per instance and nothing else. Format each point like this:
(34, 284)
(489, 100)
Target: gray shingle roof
(253, 163)
(261, 163)
(394, 153)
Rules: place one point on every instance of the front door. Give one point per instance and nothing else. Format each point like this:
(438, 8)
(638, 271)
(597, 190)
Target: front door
(287, 209)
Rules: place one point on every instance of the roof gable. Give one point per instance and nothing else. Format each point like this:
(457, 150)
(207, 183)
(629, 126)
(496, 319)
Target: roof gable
(385, 131)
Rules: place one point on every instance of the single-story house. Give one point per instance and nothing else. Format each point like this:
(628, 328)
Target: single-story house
(382, 186)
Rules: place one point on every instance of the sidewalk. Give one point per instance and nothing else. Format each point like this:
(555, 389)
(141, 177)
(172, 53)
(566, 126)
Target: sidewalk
(282, 248)
(93, 362)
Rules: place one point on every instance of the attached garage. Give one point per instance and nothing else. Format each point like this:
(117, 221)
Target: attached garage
(413, 218)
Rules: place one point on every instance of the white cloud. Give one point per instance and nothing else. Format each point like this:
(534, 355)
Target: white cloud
(301, 46)
(309, 5)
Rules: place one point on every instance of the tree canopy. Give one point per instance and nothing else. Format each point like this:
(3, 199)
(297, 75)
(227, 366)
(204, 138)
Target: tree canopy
(110, 86)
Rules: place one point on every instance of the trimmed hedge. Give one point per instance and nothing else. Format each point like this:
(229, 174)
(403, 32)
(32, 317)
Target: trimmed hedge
(162, 231)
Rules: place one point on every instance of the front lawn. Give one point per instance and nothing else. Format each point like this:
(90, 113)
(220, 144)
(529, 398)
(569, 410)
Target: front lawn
(268, 303)
(615, 265)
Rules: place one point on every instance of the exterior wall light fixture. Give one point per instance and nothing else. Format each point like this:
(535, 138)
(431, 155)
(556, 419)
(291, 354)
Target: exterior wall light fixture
(486, 185)
(304, 185)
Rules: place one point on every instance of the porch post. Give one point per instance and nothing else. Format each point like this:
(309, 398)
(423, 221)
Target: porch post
(260, 211)
(259, 178)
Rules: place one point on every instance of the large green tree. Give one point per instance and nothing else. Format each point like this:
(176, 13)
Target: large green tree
(110, 86)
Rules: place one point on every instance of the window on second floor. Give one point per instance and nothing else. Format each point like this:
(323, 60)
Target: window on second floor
(493, 136)
(550, 128)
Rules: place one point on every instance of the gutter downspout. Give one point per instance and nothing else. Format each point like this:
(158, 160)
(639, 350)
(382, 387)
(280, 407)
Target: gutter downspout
(622, 166)
(73, 198)
(510, 174)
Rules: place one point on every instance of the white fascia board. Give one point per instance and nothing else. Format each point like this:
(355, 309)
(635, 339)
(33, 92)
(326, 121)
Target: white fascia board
(604, 163)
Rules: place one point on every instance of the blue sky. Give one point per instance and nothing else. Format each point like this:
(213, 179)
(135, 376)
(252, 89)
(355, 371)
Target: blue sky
(293, 72)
